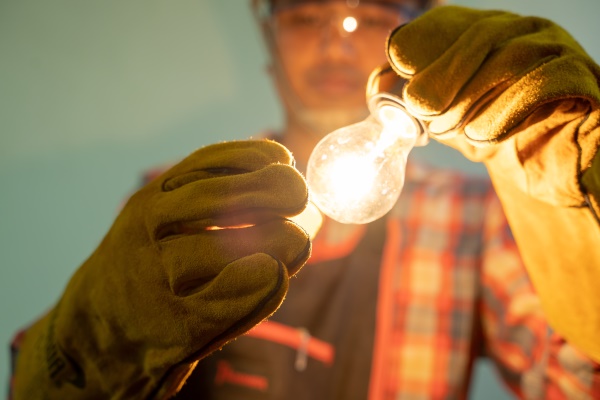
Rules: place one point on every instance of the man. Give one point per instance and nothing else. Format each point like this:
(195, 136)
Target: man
(396, 309)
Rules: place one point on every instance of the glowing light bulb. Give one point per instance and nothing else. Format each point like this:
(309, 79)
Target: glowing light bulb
(356, 173)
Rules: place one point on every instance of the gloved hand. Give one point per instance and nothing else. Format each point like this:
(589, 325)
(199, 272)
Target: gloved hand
(484, 77)
(521, 95)
(195, 258)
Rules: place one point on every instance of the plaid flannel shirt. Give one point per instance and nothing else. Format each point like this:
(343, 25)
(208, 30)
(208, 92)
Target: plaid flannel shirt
(449, 297)
(452, 287)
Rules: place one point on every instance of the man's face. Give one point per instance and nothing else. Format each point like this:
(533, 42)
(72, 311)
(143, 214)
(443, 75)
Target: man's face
(327, 50)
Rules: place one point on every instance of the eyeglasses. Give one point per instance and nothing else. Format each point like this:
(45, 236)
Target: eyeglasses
(308, 20)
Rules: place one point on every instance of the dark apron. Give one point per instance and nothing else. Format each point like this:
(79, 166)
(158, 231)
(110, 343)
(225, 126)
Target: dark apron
(330, 305)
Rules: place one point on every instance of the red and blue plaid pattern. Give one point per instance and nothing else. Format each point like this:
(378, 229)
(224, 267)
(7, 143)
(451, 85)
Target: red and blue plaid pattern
(453, 287)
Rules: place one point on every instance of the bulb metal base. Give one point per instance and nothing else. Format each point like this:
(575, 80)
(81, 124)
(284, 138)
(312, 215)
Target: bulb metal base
(384, 88)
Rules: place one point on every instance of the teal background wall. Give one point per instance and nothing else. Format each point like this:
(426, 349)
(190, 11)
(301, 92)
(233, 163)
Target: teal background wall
(92, 93)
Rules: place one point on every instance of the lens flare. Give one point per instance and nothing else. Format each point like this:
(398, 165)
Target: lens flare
(350, 24)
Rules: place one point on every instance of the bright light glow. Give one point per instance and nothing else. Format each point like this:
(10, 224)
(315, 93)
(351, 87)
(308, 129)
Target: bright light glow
(350, 24)
(351, 178)
(356, 173)
(219, 228)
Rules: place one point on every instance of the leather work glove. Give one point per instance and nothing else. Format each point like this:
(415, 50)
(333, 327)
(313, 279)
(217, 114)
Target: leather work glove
(520, 94)
(195, 258)
(482, 77)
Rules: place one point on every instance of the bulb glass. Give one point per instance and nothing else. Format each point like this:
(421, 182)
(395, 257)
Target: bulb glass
(356, 173)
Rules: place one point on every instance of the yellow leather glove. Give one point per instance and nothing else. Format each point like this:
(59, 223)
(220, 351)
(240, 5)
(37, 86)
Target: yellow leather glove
(195, 258)
(520, 94)
(480, 77)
